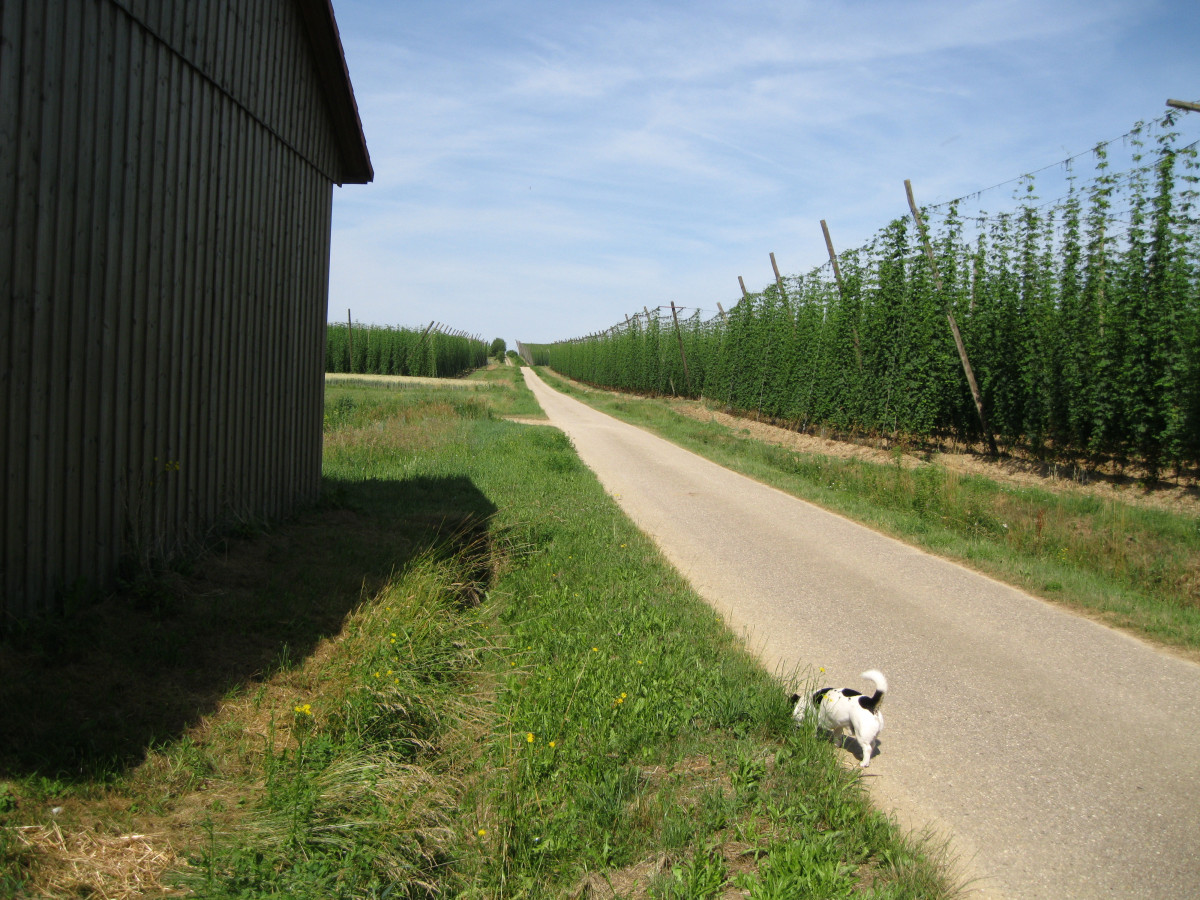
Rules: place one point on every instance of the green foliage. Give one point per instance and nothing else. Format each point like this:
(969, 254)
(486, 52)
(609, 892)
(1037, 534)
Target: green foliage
(379, 350)
(497, 348)
(1081, 318)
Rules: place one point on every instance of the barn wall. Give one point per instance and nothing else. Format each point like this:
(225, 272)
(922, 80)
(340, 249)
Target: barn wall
(166, 177)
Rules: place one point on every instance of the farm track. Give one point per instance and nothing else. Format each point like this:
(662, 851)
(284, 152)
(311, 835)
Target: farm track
(1057, 754)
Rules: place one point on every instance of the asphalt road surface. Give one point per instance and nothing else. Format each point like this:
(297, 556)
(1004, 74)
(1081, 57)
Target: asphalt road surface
(1059, 756)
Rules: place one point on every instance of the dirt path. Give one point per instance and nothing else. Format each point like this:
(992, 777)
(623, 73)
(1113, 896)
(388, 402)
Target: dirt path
(1058, 754)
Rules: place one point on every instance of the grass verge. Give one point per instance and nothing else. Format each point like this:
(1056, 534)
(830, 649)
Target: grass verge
(1133, 567)
(465, 674)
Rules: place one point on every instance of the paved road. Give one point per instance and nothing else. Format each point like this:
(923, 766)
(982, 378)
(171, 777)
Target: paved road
(1061, 756)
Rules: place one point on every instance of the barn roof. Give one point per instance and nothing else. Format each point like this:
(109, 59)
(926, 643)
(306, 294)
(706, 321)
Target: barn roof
(331, 65)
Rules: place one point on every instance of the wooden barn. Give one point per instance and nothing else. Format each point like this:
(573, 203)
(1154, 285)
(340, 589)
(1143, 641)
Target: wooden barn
(166, 184)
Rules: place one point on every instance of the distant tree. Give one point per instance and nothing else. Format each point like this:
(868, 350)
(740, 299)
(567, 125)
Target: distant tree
(498, 347)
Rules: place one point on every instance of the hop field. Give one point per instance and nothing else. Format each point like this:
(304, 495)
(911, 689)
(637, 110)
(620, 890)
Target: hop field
(1081, 318)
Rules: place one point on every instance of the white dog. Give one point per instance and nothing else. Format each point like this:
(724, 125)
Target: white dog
(839, 709)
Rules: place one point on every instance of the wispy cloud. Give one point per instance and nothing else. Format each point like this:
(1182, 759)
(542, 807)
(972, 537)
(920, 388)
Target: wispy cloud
(544, 168)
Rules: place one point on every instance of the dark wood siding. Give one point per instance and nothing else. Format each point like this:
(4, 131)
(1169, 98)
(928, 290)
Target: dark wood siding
(166, 175)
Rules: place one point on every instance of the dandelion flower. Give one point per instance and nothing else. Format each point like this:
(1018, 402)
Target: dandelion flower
(482, 832)
(595, 649)
(552, 745)
(529, 737)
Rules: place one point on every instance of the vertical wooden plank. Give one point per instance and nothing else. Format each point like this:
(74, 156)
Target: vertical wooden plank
(39, 421)
(313, 311)
(142, 393)
(320, 288)
(12, 65)
(273, 448)
(66, 359)
(235, 252)
(219, 33)
(212, 264)
(125, 359)
(302, 203)
(243, 254)
(249, 311)
(168, 291)
(252, 411)
(192, 299)
(256, 411)
(89, 286)
(295, 321)
(171, 362)
(148, 466)
(110, 226)
(225, 421)
(221, 425)
(280, 231)
(284, 86)
(283, 241)
(158, 302)
(316, 312)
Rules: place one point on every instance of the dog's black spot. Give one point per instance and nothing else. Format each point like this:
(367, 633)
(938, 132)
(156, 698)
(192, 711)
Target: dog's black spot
(869, 703)
(850, 692)
(820, 695)
(794, 699)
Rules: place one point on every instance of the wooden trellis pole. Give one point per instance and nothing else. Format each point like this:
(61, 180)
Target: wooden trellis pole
(745, 293)
(958, 341)
(837, 272)
(682, 355)
(837, 276)
(778, 278)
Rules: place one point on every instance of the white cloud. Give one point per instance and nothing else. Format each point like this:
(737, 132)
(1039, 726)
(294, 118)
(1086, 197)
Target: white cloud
(546, 166)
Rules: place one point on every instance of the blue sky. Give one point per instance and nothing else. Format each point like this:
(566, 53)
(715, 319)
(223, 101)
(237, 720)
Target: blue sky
(542, 169)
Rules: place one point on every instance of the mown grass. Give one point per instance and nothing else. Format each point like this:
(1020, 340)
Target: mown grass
(506, 692)
(1132, 566)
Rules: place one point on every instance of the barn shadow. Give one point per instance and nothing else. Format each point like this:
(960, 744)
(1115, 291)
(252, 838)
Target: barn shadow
(87, 695)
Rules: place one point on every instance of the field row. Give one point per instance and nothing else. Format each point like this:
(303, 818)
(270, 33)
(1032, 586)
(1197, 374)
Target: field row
(1080, 320)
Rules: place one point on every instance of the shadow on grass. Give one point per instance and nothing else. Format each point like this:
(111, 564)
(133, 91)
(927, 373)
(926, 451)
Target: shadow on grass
(84, 697)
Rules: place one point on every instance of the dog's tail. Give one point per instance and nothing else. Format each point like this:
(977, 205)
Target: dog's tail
(881, 686)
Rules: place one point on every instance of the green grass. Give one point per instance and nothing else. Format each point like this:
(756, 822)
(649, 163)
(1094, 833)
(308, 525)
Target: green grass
(1132, 566)
(497, 688)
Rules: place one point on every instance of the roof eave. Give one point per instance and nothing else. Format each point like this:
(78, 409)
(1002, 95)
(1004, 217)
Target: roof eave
(326, 42)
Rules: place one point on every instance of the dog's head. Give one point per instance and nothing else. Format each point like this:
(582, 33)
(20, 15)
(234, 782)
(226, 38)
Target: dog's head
(800, 707)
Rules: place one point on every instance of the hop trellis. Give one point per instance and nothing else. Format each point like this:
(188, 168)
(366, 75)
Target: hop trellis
(434, 351)
(1081, 318)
